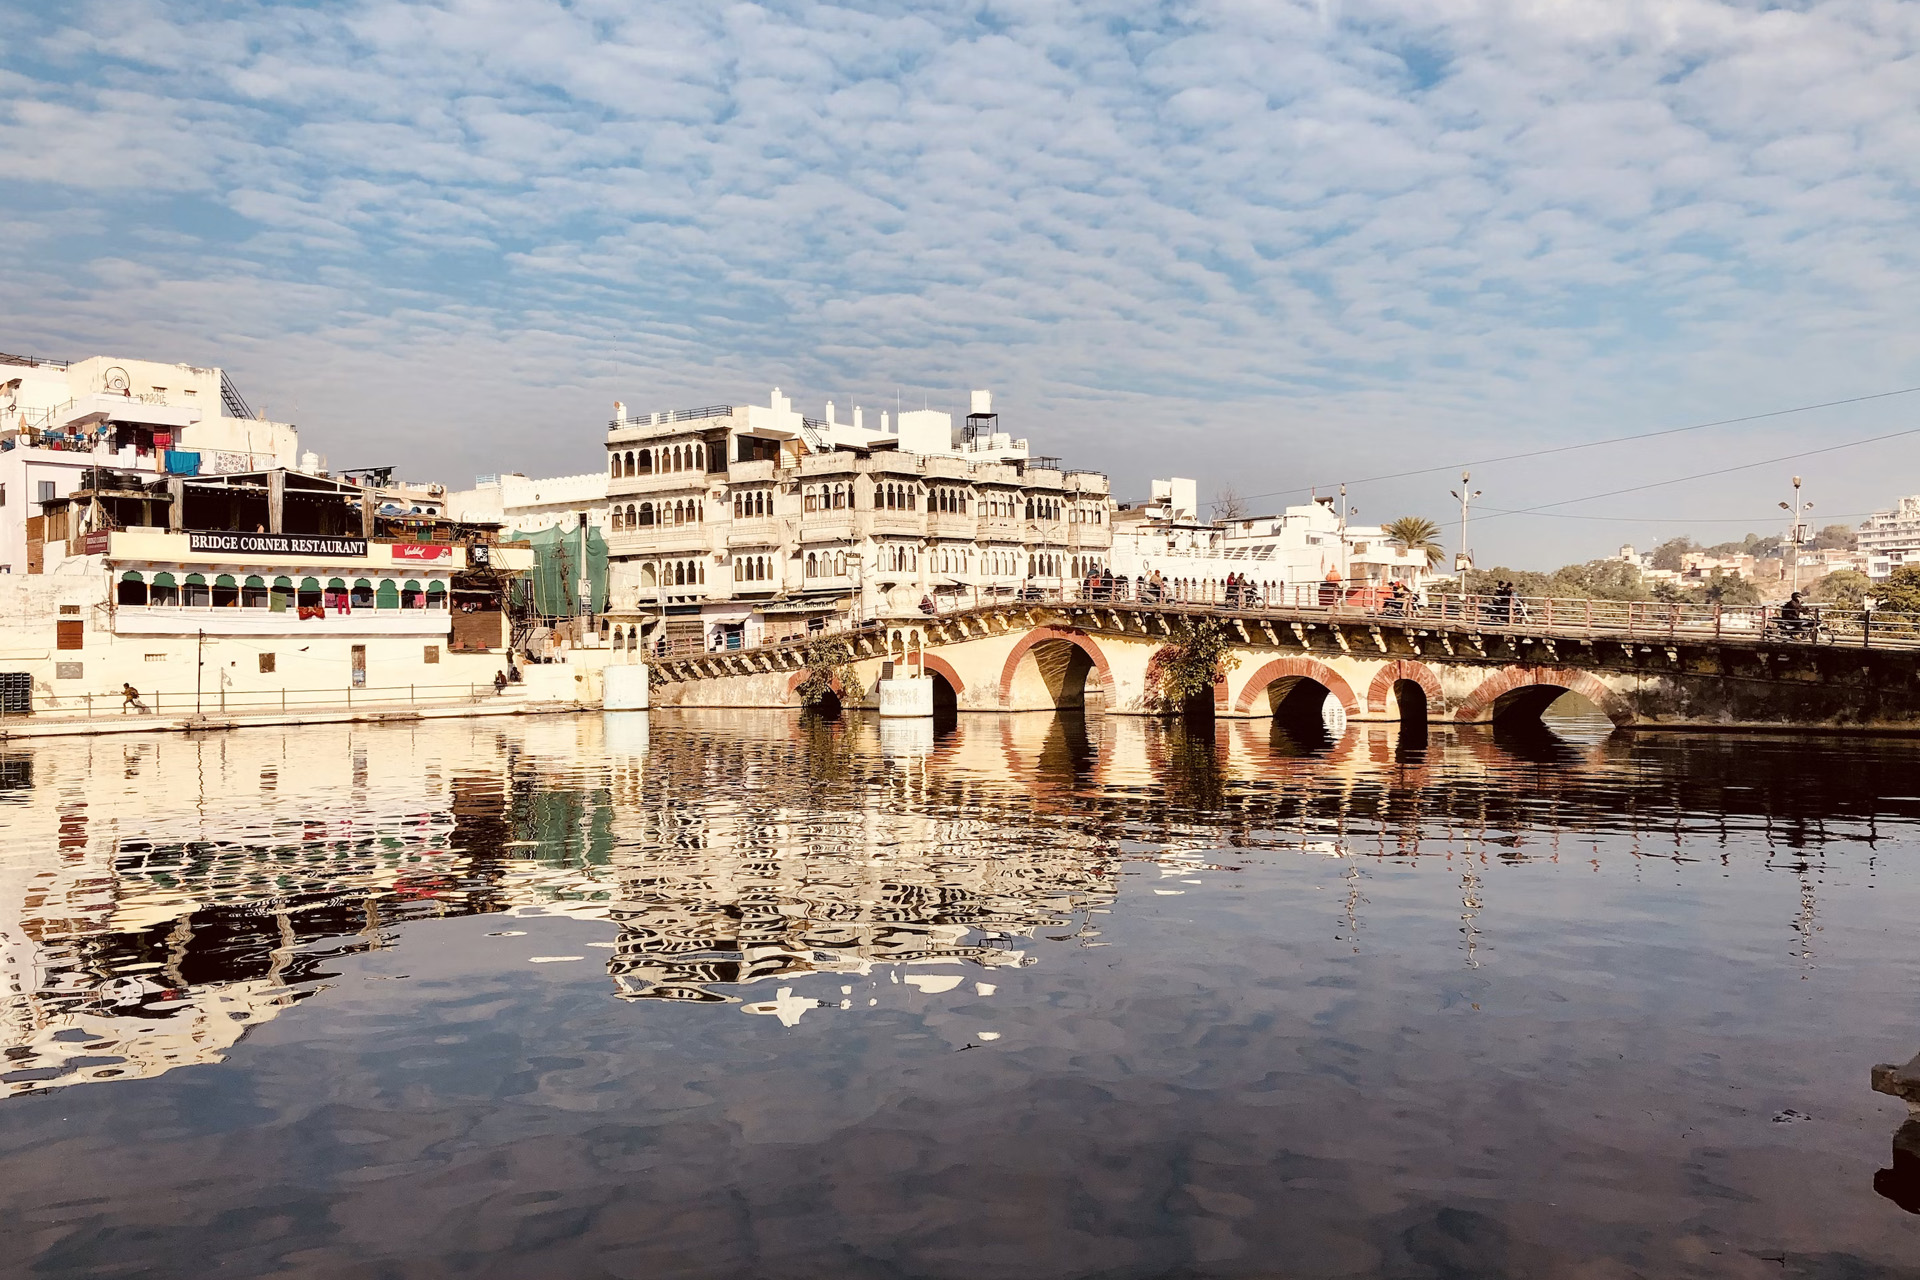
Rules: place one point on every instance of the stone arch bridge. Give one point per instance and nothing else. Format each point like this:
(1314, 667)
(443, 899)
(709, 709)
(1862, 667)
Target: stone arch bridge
(1286, 663)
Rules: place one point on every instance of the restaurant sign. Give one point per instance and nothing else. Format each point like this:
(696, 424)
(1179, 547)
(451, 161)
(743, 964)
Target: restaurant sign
(94, 543)
(421, 551)
(277, 544)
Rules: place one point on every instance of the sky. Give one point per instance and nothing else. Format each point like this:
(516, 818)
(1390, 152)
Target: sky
(1268, 245)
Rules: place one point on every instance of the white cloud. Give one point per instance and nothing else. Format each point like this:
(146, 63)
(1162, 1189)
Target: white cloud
(1277, 243)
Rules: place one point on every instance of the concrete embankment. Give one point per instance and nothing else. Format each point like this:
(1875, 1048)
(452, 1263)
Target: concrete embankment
(80, 726)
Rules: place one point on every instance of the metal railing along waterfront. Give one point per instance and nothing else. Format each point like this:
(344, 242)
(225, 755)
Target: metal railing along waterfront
(243, 702)
(1546, 617)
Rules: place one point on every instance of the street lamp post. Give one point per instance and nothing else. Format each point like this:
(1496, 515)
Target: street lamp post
(1463, 562)
(1796, 533)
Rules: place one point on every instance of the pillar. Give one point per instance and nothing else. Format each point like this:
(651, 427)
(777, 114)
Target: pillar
(276, 501)
(176, 509)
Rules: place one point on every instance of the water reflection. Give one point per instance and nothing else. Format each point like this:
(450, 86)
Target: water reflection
(1248, 952)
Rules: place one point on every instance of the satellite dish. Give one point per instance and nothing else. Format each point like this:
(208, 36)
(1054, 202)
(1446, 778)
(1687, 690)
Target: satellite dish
(118, 379)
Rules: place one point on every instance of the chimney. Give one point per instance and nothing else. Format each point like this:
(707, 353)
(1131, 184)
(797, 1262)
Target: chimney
(830, 413)
(856, 418)
(884, 428)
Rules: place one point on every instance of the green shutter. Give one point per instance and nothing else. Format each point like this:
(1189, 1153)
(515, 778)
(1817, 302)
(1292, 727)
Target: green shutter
(131, 576)
(255, 580)
(225, 580)
(196, 580)
(163, 580)
(388, 597)
(309, 584)
(283, 584)
(336, 584)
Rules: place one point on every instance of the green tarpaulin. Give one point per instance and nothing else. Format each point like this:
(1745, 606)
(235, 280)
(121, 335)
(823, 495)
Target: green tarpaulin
(556, 571)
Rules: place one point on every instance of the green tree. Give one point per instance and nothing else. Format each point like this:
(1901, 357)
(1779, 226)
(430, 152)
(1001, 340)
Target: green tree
(1725, 588)
(1417, 533)
(1667, 555)
(1901, 591)
(1600, 580)
(1843, 587)
(1835, 537)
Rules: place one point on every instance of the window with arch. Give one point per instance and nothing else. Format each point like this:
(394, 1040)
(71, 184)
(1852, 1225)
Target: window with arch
(840, 564)
(646, 462)
(616, 521)
(813, 565)
(616, 466)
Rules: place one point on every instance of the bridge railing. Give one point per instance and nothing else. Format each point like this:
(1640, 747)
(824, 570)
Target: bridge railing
(1650, 620)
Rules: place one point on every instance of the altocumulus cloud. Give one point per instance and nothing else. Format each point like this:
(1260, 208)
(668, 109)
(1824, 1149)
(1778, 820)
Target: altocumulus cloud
(1267, 242)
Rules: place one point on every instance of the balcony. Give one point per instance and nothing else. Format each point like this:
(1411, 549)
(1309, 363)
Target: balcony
(827, 526)
(674, 482)
(1089, 537)
(1000, 529)
(756, 533)
(181, 620)
(952, 524)
(910, 523)
(659, 540)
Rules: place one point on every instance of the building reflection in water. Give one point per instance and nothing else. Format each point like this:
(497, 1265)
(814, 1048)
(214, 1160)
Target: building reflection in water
(159, 895)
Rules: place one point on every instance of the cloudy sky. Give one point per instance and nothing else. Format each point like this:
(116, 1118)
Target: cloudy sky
(1269, 245)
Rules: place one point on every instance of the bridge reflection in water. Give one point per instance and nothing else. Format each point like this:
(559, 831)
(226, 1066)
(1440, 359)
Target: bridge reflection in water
(161, 897)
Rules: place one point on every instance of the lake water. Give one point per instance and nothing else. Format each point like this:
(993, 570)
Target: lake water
(744, 995)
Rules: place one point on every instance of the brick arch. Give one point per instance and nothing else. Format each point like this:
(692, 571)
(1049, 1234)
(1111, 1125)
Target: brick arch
(1041, 635)
(1281, 668)
(944, 668)
(1506, 680)
(1401, 669)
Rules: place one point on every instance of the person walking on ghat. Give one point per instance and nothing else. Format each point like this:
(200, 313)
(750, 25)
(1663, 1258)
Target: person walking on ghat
(130, 697)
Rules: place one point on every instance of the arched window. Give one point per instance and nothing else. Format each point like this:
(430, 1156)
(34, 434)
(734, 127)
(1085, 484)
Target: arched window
(811, 502)
(629, 467)
(616, 466)
(646, 462)
(616, 520)
(839, 564)
(813, 565)
(702, 567)
(700, 456)
(680, 575)
(739, 508)
(739, 570)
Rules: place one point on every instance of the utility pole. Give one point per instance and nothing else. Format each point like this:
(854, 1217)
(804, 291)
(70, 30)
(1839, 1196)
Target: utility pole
(1463, 562)
(199, 665)
(1796, 533)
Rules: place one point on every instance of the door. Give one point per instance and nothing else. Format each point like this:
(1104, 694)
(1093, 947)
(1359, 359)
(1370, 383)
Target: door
(359, 666)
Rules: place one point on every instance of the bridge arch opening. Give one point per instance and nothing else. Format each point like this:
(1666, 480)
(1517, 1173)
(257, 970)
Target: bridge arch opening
(1298, 705)
(1055, 668)
(946, 700)
(1410, 699)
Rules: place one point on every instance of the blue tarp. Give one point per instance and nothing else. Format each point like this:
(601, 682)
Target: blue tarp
(180, 463)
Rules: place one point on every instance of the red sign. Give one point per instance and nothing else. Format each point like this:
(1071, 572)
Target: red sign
(93, 544)
(421, 551)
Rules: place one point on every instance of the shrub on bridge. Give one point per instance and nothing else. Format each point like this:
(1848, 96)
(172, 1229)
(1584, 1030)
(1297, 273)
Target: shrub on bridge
(1188, 667)
(828, 663)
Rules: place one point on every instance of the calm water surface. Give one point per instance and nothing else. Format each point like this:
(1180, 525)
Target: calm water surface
(739, 995)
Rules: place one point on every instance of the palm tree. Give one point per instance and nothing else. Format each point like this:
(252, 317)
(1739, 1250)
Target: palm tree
(1417, 533)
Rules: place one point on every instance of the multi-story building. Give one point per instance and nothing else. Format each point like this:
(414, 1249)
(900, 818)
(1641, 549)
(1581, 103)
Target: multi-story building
(1890, 539)
(59, 420)
(1297, 557)
(730, 524)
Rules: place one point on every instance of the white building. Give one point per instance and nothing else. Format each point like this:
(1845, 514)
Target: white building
(728, 524)
(60, 420)
(520, 505)
(1297, 557)
(1890, 539)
